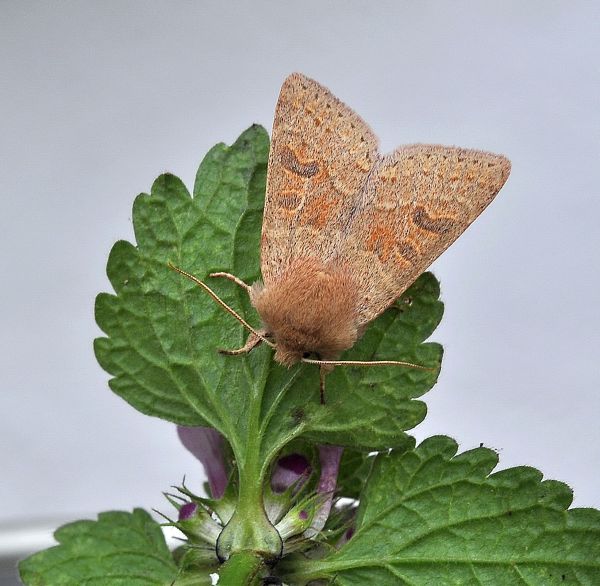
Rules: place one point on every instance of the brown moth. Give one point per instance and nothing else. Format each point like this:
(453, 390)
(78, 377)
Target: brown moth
(347, 230)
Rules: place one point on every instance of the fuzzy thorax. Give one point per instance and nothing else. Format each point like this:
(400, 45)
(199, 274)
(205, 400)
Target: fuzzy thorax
(310, 309)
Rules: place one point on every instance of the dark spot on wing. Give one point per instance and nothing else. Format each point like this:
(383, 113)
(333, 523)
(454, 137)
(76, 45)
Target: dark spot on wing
(290, 161)
(439, 225)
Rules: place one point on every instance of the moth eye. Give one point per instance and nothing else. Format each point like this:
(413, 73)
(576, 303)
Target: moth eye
(306, 355)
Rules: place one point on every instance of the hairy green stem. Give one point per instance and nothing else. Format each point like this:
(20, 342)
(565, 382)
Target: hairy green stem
(241, 569)
(249, 529)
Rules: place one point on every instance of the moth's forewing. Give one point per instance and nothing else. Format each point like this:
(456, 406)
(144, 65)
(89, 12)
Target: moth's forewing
(417, 202)
(320, 158)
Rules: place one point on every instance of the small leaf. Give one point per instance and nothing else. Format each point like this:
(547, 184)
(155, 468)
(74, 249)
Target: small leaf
(429, 516)
(119, 549)
(162, 331)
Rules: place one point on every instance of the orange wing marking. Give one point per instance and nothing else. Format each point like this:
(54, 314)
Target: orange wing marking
(382, 241)
(318, 210)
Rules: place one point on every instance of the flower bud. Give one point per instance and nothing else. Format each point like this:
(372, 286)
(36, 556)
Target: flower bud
(197, 524)
(298, 519)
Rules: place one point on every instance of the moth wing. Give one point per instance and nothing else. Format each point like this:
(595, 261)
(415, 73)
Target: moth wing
(417, 202)
(321, 155)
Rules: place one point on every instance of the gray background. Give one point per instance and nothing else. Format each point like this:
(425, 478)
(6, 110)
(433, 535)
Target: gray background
(97, 99)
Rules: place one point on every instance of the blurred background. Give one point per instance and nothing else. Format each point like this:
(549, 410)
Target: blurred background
(97, 99)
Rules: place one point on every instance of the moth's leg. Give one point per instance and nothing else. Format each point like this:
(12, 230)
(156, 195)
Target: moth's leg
(322, 373)
(252, 342)
(234, 279)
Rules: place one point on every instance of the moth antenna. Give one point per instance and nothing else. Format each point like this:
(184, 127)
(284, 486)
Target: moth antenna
(366, 363)
(222, 303)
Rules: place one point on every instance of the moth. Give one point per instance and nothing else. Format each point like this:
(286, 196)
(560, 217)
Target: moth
(346, 230)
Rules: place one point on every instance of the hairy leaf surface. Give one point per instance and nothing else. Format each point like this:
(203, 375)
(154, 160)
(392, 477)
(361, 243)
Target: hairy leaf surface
(429, 516)
(119, 549)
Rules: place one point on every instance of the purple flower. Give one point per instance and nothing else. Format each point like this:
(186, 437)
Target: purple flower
(206, 444)
(330, 457)
(289, 470)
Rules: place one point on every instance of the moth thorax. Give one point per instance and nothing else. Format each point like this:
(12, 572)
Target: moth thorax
(310, 309)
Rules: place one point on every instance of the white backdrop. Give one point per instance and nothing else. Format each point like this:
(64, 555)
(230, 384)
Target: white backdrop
(97, 99)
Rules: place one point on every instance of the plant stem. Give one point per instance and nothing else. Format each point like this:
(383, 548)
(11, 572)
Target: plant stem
(241, 569)
(249, 529)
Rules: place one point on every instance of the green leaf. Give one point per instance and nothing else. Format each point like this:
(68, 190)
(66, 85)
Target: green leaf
(163, 332)
(354, 470)
(119, 549)
(430, 516)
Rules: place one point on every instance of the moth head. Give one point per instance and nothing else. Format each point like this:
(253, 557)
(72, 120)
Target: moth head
(310, 310)
(288, 356)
